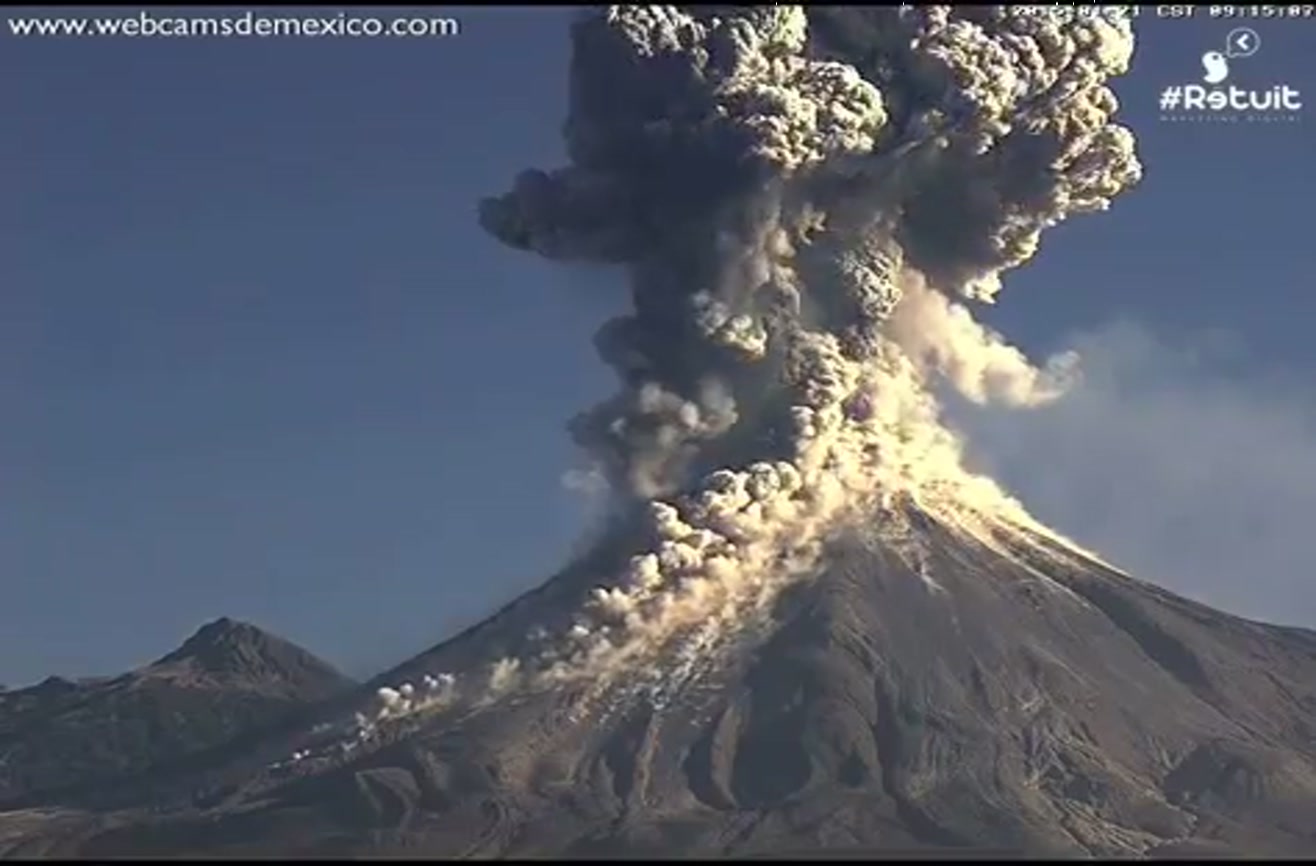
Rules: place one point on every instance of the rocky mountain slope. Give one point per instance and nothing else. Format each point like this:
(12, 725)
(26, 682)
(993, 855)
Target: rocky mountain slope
(61, 737)
(989, 705)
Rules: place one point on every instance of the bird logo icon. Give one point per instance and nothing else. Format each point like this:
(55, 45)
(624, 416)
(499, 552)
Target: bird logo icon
(1216, 66)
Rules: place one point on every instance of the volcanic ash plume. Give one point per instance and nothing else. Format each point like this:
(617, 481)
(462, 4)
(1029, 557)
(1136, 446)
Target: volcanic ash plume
(804, 202)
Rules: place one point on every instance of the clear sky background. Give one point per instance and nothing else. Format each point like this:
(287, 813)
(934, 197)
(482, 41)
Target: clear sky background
(258, 360)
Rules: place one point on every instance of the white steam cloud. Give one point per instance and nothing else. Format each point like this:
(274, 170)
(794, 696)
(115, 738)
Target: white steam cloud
(803, 203)
(1181, 459)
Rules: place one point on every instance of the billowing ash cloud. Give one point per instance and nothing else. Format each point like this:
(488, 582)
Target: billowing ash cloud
(767, 176)
(803, 203)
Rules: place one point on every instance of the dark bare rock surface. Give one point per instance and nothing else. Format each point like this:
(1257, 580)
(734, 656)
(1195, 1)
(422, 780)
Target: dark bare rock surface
(992, 706)
(62, 741)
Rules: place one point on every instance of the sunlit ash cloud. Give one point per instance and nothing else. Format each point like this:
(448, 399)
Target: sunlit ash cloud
(805, 206)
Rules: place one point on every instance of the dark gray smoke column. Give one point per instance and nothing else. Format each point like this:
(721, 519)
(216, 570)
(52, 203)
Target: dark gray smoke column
(770, 178)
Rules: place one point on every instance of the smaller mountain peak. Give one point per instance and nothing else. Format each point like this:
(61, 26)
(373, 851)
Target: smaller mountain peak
(226, 628)
(221, 633)
(56, 684)
(232, 648)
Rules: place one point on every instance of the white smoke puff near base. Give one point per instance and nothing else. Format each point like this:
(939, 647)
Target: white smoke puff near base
(504, 675)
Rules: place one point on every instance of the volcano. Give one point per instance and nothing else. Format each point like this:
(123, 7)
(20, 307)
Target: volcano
(1004, 706)
(808, 628)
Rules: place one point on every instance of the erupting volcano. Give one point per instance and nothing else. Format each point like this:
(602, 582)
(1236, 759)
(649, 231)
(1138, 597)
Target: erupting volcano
(808, 625)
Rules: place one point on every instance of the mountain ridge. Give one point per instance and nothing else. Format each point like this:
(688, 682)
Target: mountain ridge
(990, 701)
(61, 735)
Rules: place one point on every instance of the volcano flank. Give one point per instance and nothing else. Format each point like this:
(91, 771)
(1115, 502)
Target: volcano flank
(1005, 712)
(809, 628)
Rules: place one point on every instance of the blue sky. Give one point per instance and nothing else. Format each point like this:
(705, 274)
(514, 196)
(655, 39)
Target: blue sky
(258, 360)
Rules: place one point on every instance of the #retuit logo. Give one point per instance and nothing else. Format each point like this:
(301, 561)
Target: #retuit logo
(1218, 98)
